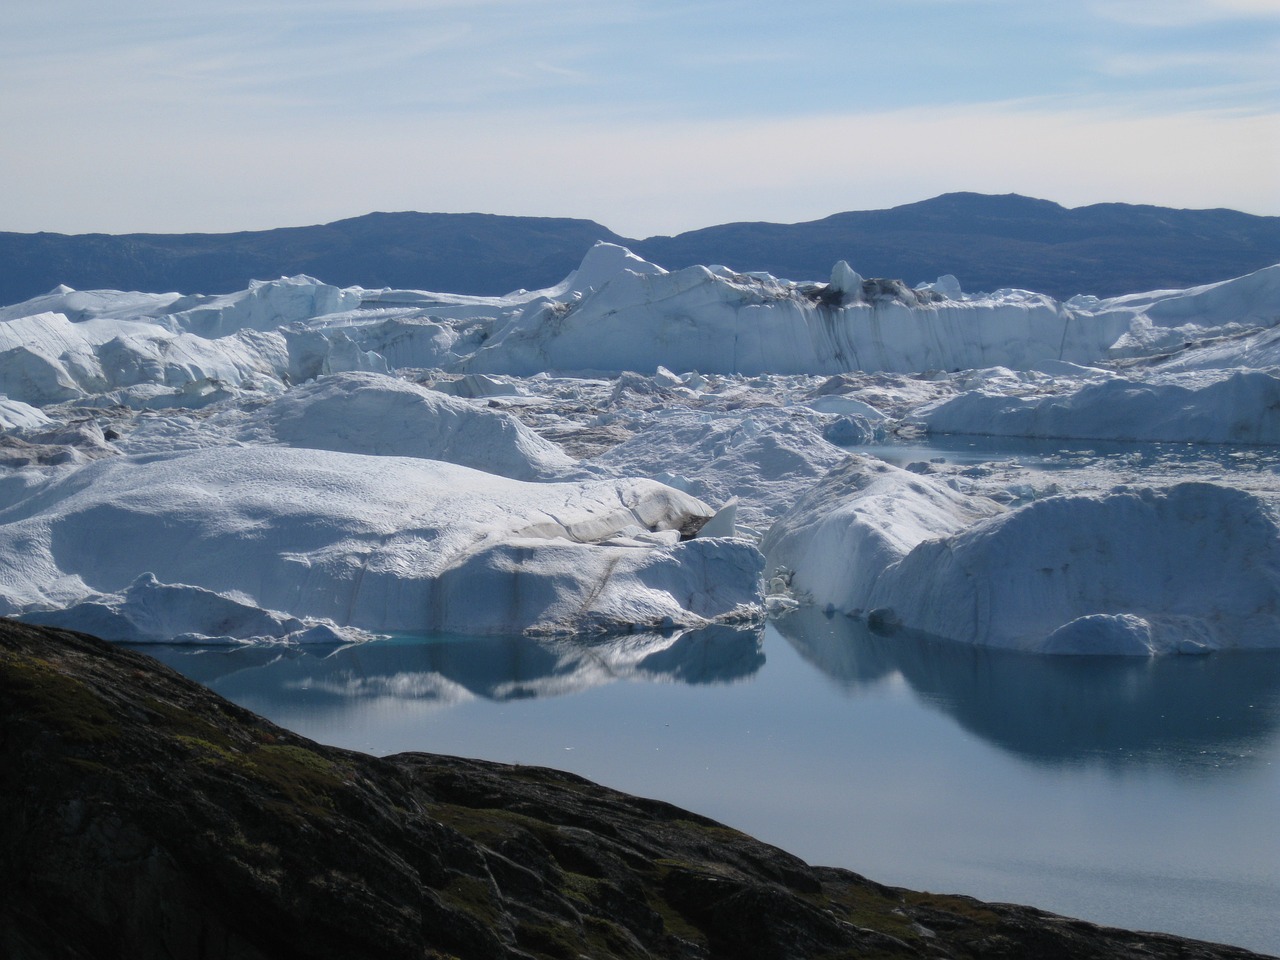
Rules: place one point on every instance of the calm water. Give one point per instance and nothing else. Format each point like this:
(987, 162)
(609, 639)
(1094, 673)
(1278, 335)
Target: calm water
(1140, 793)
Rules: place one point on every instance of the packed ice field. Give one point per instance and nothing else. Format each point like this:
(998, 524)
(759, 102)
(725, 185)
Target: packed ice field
(641, 450)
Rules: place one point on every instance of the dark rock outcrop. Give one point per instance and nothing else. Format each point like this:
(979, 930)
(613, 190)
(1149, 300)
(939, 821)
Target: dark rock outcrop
(143, 816)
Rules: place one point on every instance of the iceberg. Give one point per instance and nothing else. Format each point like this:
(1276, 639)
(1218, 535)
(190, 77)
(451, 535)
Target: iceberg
(835, 543)
(148, 611)
(266, 305)
(382, 544)
(722, 322)
(382, 415)
(16, 415)
(47, 359)
(1188, 568)
(301, 460)
(761, 459)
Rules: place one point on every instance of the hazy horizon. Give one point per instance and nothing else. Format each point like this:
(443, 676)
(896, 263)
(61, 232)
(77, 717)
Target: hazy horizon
(489, 213)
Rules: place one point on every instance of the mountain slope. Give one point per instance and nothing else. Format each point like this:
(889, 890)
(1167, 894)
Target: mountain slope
(989, 242)
(464, 253)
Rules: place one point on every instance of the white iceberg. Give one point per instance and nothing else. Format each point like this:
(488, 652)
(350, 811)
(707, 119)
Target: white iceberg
(16, 415)
(835, 543)
(1189, 568)
(382, 544)
(46, 359)
(762, 459)
(384, 416)
(640, 317)
(265, 305)
(1165, 320)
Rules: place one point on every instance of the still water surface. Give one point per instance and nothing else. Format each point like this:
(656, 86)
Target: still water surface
(1141, 793)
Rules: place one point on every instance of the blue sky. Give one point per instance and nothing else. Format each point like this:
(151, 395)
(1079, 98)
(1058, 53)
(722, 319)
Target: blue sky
(649, 117)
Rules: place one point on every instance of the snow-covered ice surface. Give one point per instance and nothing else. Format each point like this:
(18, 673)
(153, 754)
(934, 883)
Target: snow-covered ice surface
(386, 544)
(379, 415)
(301, 462)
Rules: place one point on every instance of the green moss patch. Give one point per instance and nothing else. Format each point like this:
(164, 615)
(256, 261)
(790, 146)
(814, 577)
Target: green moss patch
(48, 696)
(299, 777)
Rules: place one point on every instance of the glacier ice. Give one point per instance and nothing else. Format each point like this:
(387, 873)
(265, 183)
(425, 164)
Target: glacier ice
(300, 461)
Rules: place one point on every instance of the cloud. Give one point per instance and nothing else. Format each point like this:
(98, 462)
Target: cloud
(344, 60)
(1245, 78)
(1180, 13)
(1259, 63)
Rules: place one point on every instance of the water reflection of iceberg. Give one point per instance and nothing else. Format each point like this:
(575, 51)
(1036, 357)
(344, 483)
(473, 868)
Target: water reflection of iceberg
(448, 670)
(1181, 712)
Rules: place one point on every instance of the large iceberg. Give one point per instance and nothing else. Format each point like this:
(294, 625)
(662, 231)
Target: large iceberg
(1188, 568)
(714, 320)
(382, 544)
(832, 547)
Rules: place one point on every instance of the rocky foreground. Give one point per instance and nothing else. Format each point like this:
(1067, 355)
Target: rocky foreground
(143, 816)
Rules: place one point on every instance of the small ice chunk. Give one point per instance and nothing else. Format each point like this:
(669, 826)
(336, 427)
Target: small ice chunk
(665, 378)
(946, 285)
(845, 281)
(1113, 634)
(724, 523)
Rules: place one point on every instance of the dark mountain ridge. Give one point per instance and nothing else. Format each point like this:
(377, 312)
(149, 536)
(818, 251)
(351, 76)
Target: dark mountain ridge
(988, 242)
(453, 252)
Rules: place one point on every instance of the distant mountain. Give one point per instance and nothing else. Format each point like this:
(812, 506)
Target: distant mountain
(454, 252)
(988, 242)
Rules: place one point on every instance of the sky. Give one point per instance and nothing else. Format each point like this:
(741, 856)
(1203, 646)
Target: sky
(648, 116)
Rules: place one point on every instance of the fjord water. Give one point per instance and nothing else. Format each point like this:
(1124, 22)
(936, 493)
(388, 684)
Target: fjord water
(1136, 792)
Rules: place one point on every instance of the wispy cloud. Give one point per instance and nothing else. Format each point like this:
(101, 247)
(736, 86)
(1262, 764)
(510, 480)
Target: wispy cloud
(1241, 79)
(1178, 13)
(1255, 64)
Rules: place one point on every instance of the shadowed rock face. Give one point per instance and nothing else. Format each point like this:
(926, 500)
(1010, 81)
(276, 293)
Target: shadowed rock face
(143, 816)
